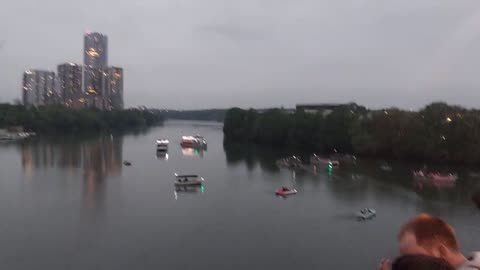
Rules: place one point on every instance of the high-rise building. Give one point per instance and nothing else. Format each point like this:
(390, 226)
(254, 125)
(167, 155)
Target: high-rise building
(114, 95)
(29, 93)
(95, 50)
(38, 87)
(70, 77)
(95, 69)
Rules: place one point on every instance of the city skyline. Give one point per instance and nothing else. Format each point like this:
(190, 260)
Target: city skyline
(93, 84)
(259, 53)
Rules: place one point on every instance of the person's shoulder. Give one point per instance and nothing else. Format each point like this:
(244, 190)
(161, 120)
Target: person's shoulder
(472, 263)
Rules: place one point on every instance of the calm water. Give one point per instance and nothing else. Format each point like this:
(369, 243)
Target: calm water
(69, 203)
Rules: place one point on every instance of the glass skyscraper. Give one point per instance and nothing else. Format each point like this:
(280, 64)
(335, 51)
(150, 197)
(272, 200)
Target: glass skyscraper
(95, 69)
(70, 79)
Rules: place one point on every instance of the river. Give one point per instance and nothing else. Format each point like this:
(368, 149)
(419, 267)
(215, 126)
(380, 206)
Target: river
(69, 203)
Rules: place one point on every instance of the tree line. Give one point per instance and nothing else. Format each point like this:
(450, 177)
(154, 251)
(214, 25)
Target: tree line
(60, 118)
(217, 115)
(438, 132)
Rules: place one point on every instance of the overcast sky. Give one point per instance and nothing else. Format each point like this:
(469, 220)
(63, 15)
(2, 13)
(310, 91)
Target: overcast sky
(257, 53)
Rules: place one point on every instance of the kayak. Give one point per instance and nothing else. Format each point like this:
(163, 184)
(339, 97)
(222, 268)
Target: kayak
(282, 192)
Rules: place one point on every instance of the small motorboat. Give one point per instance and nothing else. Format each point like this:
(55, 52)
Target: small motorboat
(386, 168)
(183, 180)
(127, 163)
(193, 142)
(419, 174)
(284, 191)
(366, 213)
(443, 177)
(162, 145)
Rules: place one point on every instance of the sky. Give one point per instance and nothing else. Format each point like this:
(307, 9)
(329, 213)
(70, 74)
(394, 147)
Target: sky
(191, 54)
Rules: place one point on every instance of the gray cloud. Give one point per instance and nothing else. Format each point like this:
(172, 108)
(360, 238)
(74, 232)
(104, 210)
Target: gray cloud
(216, 53)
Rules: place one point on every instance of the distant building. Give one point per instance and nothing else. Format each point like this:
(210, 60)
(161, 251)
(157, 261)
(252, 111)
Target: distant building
(95, 69)
(95, 86)
(29, 92)
(114, 94)
(95, 50)
(38, 87)
(325, 108)
(70, 80)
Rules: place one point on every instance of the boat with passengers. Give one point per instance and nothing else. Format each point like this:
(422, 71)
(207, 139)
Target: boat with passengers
(196, 141)
(183, 180)
(162, 145)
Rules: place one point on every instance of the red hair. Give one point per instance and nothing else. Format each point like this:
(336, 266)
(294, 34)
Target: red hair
(429, 231)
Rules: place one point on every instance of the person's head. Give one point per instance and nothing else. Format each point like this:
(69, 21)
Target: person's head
(429, 235)
(420, 262)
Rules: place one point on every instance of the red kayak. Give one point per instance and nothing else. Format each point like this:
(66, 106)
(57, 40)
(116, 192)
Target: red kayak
(283, 191)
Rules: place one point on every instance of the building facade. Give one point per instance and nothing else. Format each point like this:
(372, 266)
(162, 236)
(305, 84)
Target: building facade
(95, 50)
(114, 95)
(39, 88)
(70, 79)
(95, 69)
(29, 91)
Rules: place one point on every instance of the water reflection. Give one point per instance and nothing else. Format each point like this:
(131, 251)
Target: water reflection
(162, 155)
(193, 152)
(188, 190)
(98, 159)
(251, 155)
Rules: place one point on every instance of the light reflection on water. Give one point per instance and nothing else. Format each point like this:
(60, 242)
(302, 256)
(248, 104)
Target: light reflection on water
(75, 194)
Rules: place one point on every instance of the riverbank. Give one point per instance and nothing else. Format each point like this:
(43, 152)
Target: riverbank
(62, 119)
(437, 133)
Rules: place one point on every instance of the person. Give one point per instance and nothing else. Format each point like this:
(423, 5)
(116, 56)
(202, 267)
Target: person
(431, 236)
(420, 262)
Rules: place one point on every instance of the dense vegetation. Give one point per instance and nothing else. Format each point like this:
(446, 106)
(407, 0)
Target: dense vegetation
(59, 118)
(205, 115)
(439, 132)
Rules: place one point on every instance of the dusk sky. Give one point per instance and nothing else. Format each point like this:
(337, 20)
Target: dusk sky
(257, 53)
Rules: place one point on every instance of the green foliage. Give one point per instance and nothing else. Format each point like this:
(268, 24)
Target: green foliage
(205, 115)
(59, 118)
(439, 132)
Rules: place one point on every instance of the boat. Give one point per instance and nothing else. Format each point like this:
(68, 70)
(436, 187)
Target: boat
(443, 177)
(316, 160)
(182, 180)
(435, 176)
(284, 191)
(193, 142)
(289, 162)
(366, 213)
(386, 168)
(419, 174)
(162, 145)
(127, 163)
(201, 140)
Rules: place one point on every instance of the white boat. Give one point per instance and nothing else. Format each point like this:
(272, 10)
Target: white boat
(162, 145)
(193, 142)
(386, 167)
(366, 213)
(183, 180)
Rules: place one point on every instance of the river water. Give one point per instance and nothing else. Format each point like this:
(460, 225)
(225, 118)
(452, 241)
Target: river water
(69, 203)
